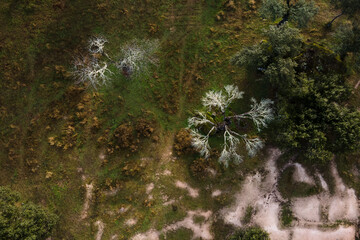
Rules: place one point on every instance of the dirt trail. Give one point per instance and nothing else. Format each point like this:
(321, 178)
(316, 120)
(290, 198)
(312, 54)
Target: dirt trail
(100, 231)
(192, 191)
(200, 230)
(88, 198)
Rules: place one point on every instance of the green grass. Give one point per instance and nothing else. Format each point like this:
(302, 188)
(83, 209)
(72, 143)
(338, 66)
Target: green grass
(287, 216)
(193, 58)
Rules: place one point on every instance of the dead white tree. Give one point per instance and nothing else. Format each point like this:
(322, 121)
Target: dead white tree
(89, 70)
(218, 119)
(136, 56)
(96, 45)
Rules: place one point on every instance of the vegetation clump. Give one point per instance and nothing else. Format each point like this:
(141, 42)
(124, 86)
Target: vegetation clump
(252, 233)
(312, 92)
(299, 12)
(182, 144)
(21, 220)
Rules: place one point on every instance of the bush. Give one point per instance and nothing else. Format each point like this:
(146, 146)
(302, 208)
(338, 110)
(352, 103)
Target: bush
(253, 233)
(182, 143)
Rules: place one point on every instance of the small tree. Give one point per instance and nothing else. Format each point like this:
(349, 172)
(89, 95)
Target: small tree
(302, 12)
(219, 119)
(23, 220)
(299, 12)
(349, 7)
(272, 9)
(274, 56)
(347, 40)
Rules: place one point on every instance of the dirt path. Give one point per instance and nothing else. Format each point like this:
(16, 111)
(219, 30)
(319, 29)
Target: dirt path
(200, 230)
(100, 231)
(88, 198)
(261, 193)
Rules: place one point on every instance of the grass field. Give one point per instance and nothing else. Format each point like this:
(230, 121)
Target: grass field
(57, 136)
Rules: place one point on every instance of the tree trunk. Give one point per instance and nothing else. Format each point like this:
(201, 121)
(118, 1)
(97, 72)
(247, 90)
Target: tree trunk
(288, 3)
(284, 20)
(329, 24)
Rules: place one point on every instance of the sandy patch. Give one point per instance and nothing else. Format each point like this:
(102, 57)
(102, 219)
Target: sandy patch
(308, 209)
(247, 196)
(100, 231)
(192, 191)
(149, 188)
(130, 222)
(114, 237)
(149, 235)
(200, 230)
(344, 204)
(342, 233)
(324, 185)
(88, 198)
(300, 175)
(216, 193)
(167, 173)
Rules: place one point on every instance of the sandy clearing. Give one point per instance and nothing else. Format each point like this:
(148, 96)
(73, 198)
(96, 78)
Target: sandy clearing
(88, 198)
(262, 194)
(342, 233)
(308, 209)
(248, 195)
(183, 185)
(344, 204)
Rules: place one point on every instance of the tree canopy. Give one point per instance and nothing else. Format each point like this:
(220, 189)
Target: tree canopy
(21, 220)
(309, 80)
(298, 12)
(350, 7)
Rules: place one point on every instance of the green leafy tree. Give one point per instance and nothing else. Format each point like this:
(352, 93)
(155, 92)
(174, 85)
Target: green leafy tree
(299, 12)
(310, 83)
(347, 40)
(302, 12)
(253, 233)
(274, 56)
(272, 9)
(313, 122)
(23, 220)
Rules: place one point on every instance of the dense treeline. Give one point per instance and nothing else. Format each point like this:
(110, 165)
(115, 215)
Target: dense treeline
(310, 83)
